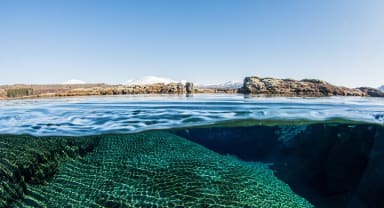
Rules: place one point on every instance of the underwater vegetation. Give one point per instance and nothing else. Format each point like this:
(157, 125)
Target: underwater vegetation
(34, 160)
(159, 169)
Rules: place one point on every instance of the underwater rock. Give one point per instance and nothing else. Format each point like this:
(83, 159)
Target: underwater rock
(371, 187)
(248, 143)
(331, 165)
(305, 87)
(34, 160)
(159, 169)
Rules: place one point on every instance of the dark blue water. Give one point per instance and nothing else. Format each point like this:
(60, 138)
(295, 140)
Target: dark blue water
(199, 151)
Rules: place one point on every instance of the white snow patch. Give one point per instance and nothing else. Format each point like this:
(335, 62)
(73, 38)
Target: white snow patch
(229, 84)
(152, 80)
(74, 81)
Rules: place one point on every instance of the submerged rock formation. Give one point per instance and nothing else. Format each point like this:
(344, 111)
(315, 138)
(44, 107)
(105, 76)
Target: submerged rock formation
(290, 87)
(159, 169)
(34, 160)
(331, 165)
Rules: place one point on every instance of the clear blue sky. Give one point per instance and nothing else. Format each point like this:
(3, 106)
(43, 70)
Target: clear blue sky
(205, 41)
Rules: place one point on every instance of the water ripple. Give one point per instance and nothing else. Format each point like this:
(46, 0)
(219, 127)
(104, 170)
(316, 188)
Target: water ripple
(123, 114)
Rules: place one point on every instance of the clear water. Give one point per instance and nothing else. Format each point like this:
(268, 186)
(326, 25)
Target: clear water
(126, 114)
(199, 151)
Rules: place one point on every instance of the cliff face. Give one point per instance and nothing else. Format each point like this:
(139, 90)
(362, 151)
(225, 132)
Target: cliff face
(306, 87)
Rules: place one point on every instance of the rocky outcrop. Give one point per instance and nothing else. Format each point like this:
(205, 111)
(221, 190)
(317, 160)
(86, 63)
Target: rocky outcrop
(305, 87)
(34, 160)
(289, 87)
(189, 87)
(331, 165)
(372, 91)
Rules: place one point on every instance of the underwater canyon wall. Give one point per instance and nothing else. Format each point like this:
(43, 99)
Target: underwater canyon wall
(331, 165)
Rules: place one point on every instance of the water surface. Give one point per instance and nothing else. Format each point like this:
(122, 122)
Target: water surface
(127, 114)
(199, 151)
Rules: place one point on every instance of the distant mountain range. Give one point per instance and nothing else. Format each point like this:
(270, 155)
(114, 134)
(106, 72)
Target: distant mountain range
(148, 80)
(226, 85)
(381, 88)
(152, 80)
(73, 82)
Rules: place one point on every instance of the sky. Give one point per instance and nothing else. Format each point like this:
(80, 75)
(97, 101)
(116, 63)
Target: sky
(204, 41)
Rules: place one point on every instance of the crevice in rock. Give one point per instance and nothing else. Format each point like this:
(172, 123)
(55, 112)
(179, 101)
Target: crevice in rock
(331, 165)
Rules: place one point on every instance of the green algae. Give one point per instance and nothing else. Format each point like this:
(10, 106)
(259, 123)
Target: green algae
(159, 169)
(34, 160)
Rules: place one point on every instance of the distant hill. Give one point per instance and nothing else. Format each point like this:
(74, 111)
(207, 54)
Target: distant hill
(381, 88)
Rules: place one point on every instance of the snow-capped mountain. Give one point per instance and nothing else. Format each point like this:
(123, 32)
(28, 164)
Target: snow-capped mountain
(381, 88)
(73, 81)
(226, 85)
(152, 80)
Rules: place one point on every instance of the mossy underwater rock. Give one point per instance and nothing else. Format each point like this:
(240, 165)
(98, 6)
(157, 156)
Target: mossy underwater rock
(330, 164)
(34, 160)
(159, 169)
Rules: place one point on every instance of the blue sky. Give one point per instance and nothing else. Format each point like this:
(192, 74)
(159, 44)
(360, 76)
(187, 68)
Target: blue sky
(205, 41)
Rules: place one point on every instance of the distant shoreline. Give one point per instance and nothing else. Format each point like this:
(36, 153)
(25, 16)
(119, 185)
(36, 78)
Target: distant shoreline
(252, 85)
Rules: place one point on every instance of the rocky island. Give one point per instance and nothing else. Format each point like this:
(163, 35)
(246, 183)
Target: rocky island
(305, 87)
(252, 85)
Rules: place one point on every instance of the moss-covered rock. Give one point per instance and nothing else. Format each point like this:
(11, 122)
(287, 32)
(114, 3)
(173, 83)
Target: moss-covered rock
(158, 169)
(34, 160)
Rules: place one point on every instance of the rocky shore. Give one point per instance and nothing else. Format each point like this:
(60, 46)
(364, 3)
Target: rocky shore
(305, 87)
(252, 85)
